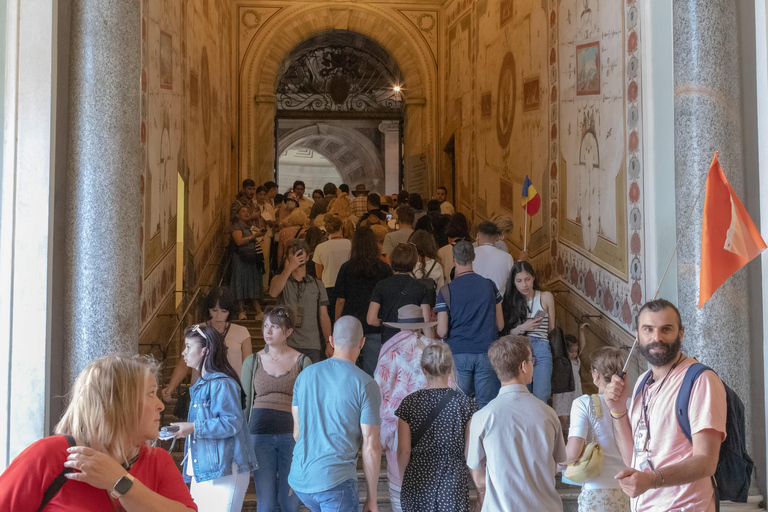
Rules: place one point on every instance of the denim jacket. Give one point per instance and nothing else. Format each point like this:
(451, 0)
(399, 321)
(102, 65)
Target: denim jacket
(221, 435)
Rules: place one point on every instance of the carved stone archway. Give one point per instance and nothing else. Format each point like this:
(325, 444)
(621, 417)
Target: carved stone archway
(353, 155)
(267, 48)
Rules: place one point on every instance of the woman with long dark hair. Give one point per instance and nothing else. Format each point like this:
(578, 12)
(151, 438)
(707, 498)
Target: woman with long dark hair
(531, 312)
(220, 454)
(220, 307)
(354, 285)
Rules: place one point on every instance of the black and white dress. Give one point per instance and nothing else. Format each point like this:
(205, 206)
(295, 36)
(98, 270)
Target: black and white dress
(435, 479)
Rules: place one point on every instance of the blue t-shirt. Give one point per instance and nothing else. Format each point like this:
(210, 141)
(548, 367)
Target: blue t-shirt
(334, 398)
(472, 313)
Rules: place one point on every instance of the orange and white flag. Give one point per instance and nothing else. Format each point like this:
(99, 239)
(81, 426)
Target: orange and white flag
(729, 238)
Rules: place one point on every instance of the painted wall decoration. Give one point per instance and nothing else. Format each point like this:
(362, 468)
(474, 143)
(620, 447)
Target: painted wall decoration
(187, 123)
(166, 61)
(427, 24)
(505, 12)
(575, 130)
(486, 105)
(505, 106)
(531, 94)
(597, 158)
(588, 69)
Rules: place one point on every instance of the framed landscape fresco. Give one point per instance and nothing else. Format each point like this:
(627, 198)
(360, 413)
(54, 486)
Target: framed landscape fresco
(588, 69)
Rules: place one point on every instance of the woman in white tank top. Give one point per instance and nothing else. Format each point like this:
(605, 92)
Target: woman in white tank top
(531, 312)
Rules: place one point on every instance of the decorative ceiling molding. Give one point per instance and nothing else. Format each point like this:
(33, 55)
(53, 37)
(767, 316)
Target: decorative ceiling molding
(427, 23)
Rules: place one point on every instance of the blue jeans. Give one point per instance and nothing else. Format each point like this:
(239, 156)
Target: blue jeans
(271, 478)
(476, 377)
(342, 498)
(369, 355)
(541, 387)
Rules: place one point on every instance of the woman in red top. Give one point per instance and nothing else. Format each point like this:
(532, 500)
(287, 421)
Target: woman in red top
(114, 413)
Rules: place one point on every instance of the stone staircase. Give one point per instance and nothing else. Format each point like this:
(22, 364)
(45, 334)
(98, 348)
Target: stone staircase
(568, 493)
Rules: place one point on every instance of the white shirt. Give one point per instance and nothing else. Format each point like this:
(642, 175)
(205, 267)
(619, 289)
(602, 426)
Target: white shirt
(583, 421)
(332, 254)
(436, 274)
(520, 439)
(493, 264)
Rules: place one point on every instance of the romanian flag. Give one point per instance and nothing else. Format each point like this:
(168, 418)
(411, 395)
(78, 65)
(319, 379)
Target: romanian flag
(729, 238)
(531, 201)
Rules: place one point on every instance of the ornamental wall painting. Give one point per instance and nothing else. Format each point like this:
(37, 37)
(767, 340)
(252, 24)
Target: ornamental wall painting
(596, 160)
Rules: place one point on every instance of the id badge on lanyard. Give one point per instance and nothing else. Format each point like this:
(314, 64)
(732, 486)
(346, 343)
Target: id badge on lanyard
(641, 447)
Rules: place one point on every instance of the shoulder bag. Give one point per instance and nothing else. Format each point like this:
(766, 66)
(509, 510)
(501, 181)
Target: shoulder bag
(590, 464)
(58, 482)
(433, 414)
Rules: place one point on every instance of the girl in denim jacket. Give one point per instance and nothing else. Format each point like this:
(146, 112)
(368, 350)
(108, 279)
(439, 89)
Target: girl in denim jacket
(220, 455)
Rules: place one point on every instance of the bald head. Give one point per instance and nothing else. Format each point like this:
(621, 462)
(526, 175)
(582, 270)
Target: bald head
(347, 332)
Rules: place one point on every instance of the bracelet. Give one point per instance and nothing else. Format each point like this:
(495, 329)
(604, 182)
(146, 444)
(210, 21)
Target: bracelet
(660, 472)
(618, 416)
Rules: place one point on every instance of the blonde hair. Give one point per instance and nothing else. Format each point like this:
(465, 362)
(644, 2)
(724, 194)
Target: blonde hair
(107, 402)
(341, 207)
(437, 360)
(296, 218)
(608, 362)
(504, 223)
(333, 223)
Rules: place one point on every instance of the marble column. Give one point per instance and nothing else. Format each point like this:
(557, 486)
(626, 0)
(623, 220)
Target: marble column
(391, 131)
(103, 195)
(708, 118)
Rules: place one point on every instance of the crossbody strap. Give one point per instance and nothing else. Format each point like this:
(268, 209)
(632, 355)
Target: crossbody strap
(59, 481)
(433, 414)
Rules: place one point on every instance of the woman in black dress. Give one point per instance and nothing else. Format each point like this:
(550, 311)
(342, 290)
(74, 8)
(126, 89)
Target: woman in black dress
(433, 449)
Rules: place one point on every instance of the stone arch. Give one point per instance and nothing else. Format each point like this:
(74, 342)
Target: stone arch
(365, 167)
(273, 43)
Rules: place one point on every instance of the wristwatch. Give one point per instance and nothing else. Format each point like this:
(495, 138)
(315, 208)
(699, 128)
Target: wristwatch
(122, 487)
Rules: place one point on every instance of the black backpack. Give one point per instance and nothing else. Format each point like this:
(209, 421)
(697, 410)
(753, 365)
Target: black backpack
(562, 370)
(428, 283)
(734, 466)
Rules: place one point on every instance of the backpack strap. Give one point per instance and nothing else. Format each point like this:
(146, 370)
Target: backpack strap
(59, 481)
(684, 397)
(643, 383)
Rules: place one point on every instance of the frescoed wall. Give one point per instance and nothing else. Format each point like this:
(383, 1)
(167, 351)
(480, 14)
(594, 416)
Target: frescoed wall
(187, 131)
(551, 89)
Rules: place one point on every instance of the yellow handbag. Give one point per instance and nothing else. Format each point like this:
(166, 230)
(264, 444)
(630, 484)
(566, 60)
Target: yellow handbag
(590, 464)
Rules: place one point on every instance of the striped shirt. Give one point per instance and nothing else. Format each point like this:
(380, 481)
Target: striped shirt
(542, 331)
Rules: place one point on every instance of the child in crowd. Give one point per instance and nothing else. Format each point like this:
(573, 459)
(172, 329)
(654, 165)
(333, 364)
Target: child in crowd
(562, 401)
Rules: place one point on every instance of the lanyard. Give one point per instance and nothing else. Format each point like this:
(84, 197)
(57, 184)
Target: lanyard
(646, 402)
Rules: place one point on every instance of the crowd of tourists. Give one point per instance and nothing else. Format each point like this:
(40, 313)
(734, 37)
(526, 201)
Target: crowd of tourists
(397, 329)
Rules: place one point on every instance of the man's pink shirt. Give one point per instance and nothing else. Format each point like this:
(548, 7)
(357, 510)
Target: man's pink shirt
(668, 445)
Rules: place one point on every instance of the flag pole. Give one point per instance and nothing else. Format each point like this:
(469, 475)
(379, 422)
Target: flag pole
(679, 239)
(525, 223)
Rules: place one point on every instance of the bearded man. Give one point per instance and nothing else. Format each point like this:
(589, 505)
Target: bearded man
(667, 472)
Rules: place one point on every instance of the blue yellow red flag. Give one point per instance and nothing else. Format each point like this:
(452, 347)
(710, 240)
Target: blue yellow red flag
(531, 201)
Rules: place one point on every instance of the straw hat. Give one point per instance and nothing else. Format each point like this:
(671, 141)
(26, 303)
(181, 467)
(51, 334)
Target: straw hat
(409, 318)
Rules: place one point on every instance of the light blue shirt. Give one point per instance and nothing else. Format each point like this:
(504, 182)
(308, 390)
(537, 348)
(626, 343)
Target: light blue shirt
(334, 398)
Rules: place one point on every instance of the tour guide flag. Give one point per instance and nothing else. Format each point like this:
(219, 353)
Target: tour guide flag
(531, 200)
(729, 238)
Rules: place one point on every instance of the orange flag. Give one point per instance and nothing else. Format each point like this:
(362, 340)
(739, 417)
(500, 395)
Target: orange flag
(729, 238)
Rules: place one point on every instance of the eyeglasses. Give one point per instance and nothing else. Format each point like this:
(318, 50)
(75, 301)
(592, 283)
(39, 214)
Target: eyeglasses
(532, 360)
(198, 329)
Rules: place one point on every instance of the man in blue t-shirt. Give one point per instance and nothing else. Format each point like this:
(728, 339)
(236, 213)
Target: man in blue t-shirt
(335, 411)
(469, 319)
